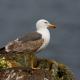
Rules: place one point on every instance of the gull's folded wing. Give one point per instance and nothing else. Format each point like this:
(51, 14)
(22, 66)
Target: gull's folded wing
(30, 43)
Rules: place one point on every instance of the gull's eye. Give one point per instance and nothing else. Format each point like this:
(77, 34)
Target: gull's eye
(46, 22)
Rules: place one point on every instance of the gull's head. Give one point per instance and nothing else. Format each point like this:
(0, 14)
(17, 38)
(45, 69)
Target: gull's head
(44, 24)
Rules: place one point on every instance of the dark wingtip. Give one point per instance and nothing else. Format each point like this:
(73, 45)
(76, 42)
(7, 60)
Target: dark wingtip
(2, 50)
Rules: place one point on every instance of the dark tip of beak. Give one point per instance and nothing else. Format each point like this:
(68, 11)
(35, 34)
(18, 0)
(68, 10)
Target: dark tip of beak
(52, 26)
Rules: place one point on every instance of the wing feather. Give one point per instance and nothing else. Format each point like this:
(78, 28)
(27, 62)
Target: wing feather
(30, 43)
(31, 37)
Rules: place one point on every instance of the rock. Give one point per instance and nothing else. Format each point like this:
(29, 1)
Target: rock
(26, 66)
(24, 74)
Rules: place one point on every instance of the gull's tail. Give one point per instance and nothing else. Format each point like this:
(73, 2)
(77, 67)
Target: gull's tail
(2, 50)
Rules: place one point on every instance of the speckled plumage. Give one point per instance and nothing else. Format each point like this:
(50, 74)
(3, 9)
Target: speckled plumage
(32, 42)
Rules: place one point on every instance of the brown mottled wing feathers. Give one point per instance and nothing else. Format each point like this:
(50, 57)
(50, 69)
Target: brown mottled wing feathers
(29, 46)
(29, 43)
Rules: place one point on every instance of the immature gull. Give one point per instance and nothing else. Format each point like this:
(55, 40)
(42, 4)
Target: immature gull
(32, 42)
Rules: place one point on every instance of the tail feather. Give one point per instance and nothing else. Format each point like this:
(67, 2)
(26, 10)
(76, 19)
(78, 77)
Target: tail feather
(2, 50)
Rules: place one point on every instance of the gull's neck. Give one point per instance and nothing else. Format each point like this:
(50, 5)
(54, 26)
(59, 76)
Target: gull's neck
(44, 31)
(45, 35)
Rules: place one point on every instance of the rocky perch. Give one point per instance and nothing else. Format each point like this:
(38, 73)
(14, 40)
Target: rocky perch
(26, 66)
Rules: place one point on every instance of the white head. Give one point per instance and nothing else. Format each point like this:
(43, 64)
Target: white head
(44, 24)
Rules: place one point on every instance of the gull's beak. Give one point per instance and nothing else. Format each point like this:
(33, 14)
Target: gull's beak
(51, 26)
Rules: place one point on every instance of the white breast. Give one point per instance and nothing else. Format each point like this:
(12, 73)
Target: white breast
(46, 36)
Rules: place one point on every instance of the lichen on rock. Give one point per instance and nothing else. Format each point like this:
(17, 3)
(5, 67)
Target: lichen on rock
(18, 66)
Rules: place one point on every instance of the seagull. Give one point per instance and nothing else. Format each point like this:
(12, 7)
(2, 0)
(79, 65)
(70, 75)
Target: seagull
(31, 42)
